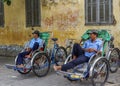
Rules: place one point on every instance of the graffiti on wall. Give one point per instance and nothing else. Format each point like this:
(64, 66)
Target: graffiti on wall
(63, 20)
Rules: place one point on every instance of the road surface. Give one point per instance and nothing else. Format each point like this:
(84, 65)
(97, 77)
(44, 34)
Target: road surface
(11, 78)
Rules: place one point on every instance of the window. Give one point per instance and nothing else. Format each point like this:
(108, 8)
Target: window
(98, 12)
(33, 13)
(1, 14)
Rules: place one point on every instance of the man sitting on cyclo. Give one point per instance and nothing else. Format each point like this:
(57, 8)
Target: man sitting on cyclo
(83, 54)
(34, 44)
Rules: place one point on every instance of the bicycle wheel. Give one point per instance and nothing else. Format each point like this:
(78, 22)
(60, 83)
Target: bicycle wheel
(41, 64)
(113, 60)
(68, 50)
(60, 56)
(24, 70)
(99, 72)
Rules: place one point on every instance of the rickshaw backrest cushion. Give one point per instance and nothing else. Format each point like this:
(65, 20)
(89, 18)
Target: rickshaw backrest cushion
(45, 36)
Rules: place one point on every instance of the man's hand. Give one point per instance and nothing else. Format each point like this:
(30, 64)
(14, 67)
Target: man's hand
(91, 50)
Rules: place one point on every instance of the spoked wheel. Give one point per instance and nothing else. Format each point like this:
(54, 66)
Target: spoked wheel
(68, 50)
(60, 56)
(113, 60)
(25, 70)
(99, 72)
(41, 64)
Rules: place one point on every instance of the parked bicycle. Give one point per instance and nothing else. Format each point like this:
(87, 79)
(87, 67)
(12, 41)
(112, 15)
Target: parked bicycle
(42, 58)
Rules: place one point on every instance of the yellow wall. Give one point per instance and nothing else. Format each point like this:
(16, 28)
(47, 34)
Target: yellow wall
(65, 20)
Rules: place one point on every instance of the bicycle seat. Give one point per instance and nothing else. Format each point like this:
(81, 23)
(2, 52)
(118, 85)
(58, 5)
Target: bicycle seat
(54, 39)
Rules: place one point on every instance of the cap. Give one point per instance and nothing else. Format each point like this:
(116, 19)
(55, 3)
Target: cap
(36, 32)
(93, 31)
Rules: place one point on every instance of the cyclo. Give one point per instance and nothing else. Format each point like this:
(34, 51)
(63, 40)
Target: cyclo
(42, 58)
(98, 66)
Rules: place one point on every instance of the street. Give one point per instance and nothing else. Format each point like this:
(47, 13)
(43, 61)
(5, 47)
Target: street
(12, 78)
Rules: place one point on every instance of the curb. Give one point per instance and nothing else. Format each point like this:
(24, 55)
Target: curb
(10, 50)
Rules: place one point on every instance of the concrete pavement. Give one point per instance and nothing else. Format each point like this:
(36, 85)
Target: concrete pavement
(12, 78)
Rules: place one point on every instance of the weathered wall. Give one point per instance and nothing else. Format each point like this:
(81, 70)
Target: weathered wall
(66, 20)
(14, 31)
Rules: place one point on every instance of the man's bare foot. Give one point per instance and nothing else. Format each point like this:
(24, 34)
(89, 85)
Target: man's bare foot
(20, 66)
(56, 68)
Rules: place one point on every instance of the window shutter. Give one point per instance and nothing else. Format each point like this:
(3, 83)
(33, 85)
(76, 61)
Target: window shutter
(36, 12)
(98, 12)
(28, 6)
(104, 11)
(92, 11)
(33, 13)
(1, 14)
(107, 12)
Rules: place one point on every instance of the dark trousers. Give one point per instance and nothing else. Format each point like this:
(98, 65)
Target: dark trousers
(81, 58)
(77, 50)
(22, 55)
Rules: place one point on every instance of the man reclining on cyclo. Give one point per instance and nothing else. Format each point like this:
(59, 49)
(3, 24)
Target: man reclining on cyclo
(33, 45)
(83, 54)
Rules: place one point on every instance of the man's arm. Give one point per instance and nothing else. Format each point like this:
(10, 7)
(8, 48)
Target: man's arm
(90, 50)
